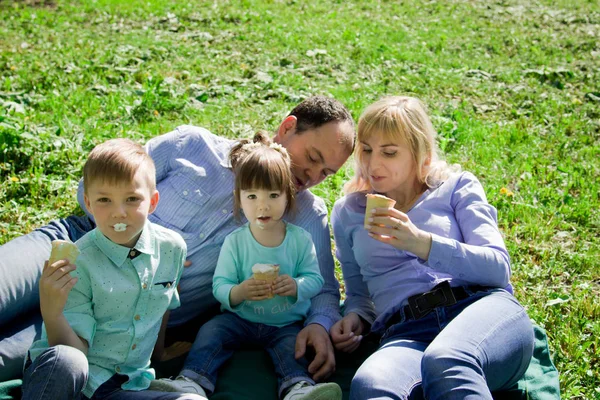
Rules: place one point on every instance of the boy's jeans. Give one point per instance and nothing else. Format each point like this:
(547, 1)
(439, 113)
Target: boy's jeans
(481, 344)
(221, 336)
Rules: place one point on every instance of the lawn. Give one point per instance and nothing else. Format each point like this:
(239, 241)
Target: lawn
(513, 88)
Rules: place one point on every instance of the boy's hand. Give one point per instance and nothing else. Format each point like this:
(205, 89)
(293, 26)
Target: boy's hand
(254, 290)
(55, 285)
(285, 285)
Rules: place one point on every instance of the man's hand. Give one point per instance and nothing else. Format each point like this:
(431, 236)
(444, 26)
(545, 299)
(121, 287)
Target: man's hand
(285, 285)
(55, 285)
(346, 334)
(315, 336)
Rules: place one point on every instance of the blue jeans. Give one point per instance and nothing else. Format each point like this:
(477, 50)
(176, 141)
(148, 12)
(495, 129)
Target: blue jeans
(61, 372)
(218, 339)
(481, 344)
(21, 263)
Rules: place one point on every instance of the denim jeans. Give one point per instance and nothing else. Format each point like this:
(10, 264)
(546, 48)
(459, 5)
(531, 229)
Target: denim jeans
(221, 336)
(21, 263)
(61, 373)
(481, 344)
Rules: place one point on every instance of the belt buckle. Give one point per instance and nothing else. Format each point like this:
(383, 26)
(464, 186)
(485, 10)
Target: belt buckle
(422, 304)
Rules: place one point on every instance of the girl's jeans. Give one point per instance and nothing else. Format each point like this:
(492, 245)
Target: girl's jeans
(221, 336)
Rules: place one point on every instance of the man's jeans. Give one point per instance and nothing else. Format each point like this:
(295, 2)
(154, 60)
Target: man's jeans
(481, 344)
(61, 372)
(21, 263)
(218, 339)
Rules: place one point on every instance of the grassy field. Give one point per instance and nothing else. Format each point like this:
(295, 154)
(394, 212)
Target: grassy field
(513, 87)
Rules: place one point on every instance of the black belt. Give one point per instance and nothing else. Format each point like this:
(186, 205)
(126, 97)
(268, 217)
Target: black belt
(442, 295)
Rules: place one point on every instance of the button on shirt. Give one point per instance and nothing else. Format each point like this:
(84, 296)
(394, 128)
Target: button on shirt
(467, 249)
(119, 301)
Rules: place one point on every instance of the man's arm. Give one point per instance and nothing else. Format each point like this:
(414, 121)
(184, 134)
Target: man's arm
(325, 307)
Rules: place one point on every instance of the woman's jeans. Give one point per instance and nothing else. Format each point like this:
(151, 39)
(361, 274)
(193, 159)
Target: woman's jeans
(21, 263)
(218, 339)
(481, 344)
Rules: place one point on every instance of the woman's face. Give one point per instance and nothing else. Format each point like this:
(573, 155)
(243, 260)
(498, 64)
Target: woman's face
(388, 164)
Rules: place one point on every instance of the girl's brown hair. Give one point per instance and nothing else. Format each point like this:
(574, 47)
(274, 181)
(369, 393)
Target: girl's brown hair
(258, 163)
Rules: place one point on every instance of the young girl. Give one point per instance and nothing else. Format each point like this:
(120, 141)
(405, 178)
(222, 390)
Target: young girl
(255, 311)
(428, 274)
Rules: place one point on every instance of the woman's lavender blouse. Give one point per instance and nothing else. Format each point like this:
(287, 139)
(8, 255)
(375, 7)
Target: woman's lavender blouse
(467, 249)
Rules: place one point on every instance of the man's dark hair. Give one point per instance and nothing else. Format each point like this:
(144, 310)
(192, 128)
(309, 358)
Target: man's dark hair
(319, 110)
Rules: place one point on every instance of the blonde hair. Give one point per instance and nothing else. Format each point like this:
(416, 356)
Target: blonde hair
(258, 163)
(400, 119)
(118, 160)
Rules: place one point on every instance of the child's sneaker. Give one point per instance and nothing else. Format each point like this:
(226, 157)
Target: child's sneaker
(322, 391)
(181, 384)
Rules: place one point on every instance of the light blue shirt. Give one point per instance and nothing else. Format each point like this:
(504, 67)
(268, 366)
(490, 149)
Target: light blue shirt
(118, 303)
(296, 257)
(467, 249)
(195, 182)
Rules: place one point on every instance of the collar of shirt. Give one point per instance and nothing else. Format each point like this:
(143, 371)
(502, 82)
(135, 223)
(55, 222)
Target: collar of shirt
(118, 254)
(226, 146)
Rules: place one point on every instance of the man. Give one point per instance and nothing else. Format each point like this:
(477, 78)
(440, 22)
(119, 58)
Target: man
(196, 185)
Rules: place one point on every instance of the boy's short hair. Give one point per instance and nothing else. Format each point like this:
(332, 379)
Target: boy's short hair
(118, 160)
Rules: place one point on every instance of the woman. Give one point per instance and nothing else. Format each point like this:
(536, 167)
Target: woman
(429, 274)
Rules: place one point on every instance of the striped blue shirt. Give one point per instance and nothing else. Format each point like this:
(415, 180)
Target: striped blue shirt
(195, 182)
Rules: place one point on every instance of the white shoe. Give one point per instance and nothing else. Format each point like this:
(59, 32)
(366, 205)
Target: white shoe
(181, 384)
(322, 391)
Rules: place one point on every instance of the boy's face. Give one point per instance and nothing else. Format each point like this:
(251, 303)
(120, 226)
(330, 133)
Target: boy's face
(120, 209)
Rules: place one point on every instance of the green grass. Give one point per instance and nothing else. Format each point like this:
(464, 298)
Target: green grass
(513, 87)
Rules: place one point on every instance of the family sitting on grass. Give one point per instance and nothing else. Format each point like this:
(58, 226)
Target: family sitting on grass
(428, 275)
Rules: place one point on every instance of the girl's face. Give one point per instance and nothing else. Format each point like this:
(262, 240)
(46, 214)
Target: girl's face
(263, 208)
(388, 164)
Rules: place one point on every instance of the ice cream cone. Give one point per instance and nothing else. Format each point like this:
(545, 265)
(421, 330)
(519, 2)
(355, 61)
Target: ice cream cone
(266, 272)
(376, 201)
(62, 249)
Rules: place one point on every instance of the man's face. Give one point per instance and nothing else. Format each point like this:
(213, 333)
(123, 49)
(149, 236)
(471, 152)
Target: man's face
(315, 153)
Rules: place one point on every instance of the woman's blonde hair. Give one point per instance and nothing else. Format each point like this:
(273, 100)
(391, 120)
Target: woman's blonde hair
(258, 163)
(400, 119)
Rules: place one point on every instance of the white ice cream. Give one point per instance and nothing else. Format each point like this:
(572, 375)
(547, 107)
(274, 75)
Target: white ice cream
(120, 227)
(262, 268)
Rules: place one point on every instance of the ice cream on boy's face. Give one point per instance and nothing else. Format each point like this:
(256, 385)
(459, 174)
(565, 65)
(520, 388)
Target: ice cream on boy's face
(120, 227)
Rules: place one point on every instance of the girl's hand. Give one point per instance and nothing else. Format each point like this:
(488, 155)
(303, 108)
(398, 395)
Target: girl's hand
(346, 334)
(285, 285)
(55, 285)
(254, 290)
(393, 227)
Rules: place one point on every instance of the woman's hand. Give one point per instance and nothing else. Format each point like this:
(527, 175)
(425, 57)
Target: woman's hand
(346, 334)
(393, 227)
(285, 285)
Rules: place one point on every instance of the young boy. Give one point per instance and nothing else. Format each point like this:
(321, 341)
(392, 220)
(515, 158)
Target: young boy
(103, 314)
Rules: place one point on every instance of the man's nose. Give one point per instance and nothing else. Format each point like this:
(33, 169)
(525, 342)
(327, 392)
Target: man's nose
(314, 176)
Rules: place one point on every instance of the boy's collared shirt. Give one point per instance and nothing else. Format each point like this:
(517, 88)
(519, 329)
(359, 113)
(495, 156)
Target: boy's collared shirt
(119, 301)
